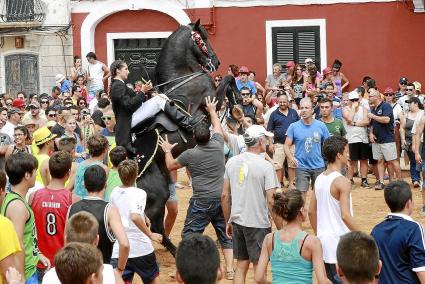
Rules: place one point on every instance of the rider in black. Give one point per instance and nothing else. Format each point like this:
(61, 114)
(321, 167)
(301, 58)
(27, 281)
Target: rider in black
(131, 108)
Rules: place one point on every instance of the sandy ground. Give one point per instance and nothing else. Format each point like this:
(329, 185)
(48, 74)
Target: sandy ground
(369, 209)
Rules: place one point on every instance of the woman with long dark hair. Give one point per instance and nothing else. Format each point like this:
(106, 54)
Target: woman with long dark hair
(340, 80)
(130, 108)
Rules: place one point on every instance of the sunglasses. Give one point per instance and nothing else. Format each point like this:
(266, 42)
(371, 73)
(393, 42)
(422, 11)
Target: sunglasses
(52, 115)
(107, 118)
(82, 103)
(354, 100)
(245, 94)
(403, 83)
(44, 102)
(409, 90)
(217, 80)
(388, 95)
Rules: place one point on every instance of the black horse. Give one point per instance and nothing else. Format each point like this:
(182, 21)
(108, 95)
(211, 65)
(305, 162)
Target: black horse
(181, 74)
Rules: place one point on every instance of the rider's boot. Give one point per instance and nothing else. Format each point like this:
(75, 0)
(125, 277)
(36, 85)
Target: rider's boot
(180, 118)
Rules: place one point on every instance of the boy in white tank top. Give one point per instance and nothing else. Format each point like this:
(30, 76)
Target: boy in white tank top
(331, 212)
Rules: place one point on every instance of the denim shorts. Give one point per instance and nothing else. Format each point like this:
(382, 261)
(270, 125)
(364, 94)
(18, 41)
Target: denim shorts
(304, 176)
(173, 193)
(202, 212)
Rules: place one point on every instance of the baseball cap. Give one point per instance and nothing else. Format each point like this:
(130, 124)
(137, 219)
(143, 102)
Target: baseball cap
(403, 80)
(308, 60)
(388, 90)
(18, 103)
(13, 111)
(418, 86)
(290, 64)
(256, 131)
(353, 95)
(243, 70)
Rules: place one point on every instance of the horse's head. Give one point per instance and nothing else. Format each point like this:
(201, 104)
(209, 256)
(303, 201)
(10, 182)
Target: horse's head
(202, 49)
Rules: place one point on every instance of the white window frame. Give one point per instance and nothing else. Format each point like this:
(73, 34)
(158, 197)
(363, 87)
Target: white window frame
(321, 23)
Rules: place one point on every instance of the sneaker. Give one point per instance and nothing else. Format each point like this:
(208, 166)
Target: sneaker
(379, 185)
(423, 211)
(416, 184)
(365, 184)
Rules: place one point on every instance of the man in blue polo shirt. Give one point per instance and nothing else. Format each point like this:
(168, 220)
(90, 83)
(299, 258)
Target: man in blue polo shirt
(279, 121)
(308, 135)
(400, 239)
(382, 136)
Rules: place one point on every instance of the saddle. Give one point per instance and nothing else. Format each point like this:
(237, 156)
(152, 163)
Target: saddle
(146, 138)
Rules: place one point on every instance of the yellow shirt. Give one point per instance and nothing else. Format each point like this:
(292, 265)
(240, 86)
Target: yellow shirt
(9, 242)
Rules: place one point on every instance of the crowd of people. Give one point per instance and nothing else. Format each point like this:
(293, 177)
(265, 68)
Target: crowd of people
(70, 211)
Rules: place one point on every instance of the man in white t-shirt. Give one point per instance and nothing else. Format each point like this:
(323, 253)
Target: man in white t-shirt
(131, 203)
(331, 212)
(83, 227)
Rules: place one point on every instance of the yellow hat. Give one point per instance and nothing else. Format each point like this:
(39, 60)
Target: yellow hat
(42, 135)
(418, 86)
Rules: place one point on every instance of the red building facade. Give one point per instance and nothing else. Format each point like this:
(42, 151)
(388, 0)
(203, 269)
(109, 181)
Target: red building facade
(382, 39)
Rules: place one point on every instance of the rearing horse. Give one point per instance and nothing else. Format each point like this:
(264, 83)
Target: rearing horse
(181, 74)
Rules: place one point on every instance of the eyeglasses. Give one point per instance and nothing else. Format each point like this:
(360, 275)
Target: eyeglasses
(411, 90)
(51, 115)
(107, 118)
(44, 102)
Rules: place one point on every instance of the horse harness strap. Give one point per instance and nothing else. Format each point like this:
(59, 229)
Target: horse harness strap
(176, 79)
(193, 76)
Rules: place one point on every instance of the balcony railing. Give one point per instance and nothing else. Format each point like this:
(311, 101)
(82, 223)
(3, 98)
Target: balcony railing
(21, 11)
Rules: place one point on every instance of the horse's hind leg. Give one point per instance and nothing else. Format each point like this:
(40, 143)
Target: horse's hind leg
(156, 186)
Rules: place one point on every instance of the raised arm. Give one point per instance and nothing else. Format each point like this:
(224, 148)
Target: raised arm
(211, 106)
(171, 163)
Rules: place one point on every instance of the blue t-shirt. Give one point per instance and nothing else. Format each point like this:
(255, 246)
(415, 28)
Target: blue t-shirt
(401, 249)
(66, 86)
(279, 123)
(308, 140)
(384, 132)
(249, 84)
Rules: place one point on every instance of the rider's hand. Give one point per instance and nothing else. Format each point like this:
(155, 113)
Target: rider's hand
(211, 105)
(147, 87)
(165, 145)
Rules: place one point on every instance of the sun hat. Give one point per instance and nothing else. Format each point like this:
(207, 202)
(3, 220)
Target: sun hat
(28, 120)
(353, 95)
(59, 78)
(42, 135)
(418, 86)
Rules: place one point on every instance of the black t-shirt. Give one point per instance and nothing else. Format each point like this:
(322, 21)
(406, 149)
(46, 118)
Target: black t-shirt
(97, 118)
(59, 130)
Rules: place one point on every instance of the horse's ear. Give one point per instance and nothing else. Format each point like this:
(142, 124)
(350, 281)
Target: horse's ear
(197, 24)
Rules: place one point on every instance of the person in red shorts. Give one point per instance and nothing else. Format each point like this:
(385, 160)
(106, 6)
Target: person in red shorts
(50, 206)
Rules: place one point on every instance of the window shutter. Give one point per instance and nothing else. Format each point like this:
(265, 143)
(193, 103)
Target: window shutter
(296, 44)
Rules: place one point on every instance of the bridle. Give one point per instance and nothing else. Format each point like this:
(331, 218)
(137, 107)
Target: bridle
(200, 43)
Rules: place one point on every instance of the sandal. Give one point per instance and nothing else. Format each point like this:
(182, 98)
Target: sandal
(230, 275)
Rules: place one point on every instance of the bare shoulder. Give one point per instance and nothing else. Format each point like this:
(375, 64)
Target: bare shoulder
(342, 182)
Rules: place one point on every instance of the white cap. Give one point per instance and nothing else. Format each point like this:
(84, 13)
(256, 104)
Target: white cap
(256, 131)
(59, 78)
(353, 95)
(308, 60)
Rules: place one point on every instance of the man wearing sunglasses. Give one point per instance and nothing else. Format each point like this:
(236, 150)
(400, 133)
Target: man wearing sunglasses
(108, 118)
(410, 93)
(402, 83)
(50, 114)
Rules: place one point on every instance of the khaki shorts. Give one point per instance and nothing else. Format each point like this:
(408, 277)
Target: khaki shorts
(384, 151)
(279, 156)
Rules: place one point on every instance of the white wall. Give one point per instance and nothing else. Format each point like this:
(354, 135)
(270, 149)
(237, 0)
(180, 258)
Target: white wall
(54, 56)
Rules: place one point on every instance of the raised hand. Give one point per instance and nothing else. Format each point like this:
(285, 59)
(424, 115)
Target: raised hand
(165, 145)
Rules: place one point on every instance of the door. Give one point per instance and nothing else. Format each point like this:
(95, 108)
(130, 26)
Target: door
(21, 73)
(141, 56)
